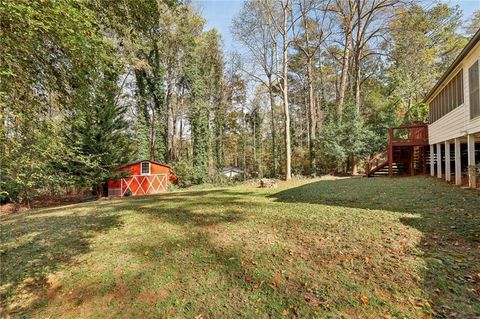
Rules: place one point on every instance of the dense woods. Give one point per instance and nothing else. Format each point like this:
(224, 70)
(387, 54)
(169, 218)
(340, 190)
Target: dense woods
(87, 85)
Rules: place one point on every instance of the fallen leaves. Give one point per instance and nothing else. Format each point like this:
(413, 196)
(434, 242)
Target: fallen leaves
(259, 285)
(364, 300)
(312, 300)
(277, 280)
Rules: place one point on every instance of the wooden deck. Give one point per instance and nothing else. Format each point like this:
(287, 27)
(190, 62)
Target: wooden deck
(409, 135)
(406, 146)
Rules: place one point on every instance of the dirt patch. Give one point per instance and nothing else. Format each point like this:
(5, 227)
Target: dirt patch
(151, 298)
(11, 208)
(44, 202)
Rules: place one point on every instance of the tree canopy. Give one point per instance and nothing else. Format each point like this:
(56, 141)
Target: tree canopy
(86, 86)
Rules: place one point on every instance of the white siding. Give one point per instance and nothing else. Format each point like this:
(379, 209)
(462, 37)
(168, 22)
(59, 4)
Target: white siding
(457, 123)
(448, 127)
(473, 126)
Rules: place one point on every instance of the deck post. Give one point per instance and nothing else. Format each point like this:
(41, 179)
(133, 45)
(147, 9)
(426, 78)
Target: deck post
(390, 152)
(411, 165)
(439, 160)
(447, 161)
(458, 163)
(472, 178)
(432, 160)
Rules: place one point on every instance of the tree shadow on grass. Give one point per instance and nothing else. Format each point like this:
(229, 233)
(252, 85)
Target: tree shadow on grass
(189, 251)
(447, 216)
(181, 207)
(200, 268)
(36, 244)
(198, 219)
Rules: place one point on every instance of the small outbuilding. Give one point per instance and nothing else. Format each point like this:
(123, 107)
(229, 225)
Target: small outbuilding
(232, 172)
(144, 177)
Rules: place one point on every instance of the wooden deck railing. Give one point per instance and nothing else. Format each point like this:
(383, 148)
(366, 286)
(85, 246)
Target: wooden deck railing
(409, 135)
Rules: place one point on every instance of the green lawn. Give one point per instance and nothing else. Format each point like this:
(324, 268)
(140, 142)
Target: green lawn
(351, 248)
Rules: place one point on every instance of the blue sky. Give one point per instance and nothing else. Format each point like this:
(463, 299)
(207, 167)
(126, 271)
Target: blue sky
(219, 14)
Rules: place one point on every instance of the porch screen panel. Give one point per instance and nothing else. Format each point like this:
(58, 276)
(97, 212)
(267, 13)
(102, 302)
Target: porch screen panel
(474, 93)
(460, 87)
(448, 99)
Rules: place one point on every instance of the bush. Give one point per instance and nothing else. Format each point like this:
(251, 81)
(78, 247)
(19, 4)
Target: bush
(342, 140)
(222, 180)
(185, 173)
(330, 149)
(9, 190)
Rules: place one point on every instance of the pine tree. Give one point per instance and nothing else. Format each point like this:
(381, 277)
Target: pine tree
(97, 134)
(141, 124)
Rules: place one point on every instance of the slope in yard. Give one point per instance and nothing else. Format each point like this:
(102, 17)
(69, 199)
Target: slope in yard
(370, 248)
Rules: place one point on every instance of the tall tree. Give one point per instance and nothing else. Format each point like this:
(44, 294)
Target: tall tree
(371, 26)
(281, 22)
(423, 44)
(315, 30)
(345, 11)
(49, 53)
(248, 28)
(473, 23)
(97, 133)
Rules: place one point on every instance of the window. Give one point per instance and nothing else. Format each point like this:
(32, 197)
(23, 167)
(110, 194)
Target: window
(474, 93)
(449, 98)
(145, 168)
(460, 90)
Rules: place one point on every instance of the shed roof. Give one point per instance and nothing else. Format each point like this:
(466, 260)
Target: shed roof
(232, 169)
(470, 45)
(145, 160)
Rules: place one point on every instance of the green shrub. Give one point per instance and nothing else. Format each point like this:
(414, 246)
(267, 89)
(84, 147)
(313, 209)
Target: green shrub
(222, 180)
(185, 173)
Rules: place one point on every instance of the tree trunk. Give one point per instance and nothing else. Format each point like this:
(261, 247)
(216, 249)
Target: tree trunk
(357, 85)
(254, 143)
(307, 112)
(170, 118)
(180, 136)
(344, 76)
(272, 115)
(354, 165)
(312, 117)
(288, 151)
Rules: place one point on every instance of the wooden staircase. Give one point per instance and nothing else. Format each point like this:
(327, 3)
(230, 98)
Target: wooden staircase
(407, 153)
(380, 166)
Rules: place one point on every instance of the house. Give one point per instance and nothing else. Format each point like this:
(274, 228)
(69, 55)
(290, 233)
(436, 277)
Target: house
(454, 123)
(232, 172)
(143, 177)
(449, 145)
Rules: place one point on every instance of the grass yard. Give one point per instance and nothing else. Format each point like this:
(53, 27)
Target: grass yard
(350, 248)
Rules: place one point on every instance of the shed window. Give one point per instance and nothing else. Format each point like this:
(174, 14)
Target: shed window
(145, 168)
(473, 81)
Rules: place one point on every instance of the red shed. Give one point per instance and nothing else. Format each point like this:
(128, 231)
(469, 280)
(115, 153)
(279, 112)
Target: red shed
(146, 177)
